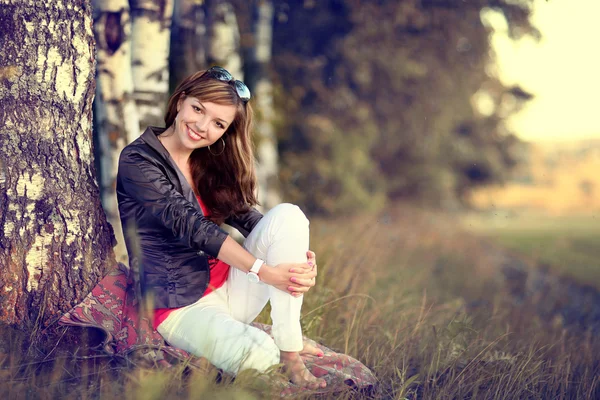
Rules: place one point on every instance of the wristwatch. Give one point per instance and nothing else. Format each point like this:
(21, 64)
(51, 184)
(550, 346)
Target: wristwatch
(253, 273)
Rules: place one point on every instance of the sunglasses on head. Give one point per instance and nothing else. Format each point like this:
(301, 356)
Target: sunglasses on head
(222, 74)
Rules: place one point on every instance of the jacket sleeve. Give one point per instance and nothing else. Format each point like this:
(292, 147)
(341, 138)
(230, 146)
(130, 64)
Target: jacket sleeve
(245, 222)
(143, 180)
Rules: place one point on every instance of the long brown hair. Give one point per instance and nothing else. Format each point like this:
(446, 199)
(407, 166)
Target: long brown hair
(226, 182)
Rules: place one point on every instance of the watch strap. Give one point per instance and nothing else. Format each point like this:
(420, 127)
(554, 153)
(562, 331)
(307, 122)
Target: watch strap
(256, 266)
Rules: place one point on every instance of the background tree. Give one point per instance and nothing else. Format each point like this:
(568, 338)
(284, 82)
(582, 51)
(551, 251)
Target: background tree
(373, 102)
(55, 241)
(256, 20)
(189, 40)
(326, 131)
(151, 32)
(116, 116)
(380, 97)
(133, 79)
(224, 37)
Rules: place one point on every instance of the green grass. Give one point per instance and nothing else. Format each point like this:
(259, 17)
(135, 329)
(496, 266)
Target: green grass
(407, 294)
(569, 245)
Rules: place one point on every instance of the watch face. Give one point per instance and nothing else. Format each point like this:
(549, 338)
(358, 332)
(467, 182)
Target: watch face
(252, 277)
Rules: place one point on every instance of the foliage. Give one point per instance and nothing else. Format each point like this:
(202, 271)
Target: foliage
(385, 91)
(327, 165)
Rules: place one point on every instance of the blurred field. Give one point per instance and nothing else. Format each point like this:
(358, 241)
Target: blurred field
(567, 244)
(550, 210)
(407, 292)
(555, 178)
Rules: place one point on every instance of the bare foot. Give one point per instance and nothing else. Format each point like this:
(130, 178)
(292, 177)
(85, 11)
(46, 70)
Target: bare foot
(298, 373)
(310, 350)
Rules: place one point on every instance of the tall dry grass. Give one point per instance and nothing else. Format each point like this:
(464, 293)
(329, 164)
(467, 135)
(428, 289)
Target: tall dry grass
(408, 294)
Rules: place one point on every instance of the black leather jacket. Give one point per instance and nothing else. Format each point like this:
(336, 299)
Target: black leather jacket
(166, 234)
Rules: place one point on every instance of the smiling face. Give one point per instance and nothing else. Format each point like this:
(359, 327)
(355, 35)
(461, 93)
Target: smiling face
(199, 112)
(200, 124)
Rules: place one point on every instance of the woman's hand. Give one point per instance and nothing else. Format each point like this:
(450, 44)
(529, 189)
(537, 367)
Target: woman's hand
(307, 272)
(295, 279)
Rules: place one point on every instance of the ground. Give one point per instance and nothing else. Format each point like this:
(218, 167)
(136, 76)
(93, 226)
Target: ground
(434, 309)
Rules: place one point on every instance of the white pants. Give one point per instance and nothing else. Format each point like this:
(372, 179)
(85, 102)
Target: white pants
(216, 326)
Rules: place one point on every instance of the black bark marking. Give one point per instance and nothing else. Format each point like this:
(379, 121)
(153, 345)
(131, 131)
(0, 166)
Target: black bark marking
(114, 33)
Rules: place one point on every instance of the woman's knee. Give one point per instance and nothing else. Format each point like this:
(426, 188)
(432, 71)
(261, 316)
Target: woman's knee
(289, 213)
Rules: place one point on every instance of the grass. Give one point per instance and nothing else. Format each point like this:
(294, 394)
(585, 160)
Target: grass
(407, 293)
(568, 244)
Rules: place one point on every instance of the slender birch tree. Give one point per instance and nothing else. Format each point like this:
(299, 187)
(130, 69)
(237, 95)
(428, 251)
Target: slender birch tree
(117, 122)
(258, 78)
(55, 242)
(151, 32)
(188, 40)
(224, 37)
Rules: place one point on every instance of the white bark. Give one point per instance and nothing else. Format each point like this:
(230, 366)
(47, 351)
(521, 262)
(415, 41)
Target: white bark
(267, 171)
(116, 113)
(151, 30)
(54, 240)
(224, 37)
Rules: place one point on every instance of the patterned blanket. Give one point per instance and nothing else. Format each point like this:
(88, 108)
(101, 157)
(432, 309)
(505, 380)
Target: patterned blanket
(112, 308)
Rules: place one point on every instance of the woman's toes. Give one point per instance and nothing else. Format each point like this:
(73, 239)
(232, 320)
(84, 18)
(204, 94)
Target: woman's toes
(310, 350)
(299, 374)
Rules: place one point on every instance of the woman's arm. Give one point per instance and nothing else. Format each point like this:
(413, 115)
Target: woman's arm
(293, 278)
(245, 222)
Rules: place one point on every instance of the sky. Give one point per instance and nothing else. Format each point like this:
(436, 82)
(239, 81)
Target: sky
(562, 70)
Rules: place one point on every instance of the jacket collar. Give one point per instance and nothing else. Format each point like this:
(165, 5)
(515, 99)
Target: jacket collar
(150, 138)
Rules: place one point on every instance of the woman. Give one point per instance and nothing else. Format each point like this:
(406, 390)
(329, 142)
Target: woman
(175, 186)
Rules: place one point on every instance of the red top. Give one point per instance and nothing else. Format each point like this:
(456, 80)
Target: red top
(219, 271)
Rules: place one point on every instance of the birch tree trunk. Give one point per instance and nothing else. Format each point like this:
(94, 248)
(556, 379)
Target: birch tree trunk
(55, 241)
(117, 122)
(188, 40)
(258, 79)
(151, 31)
(224, 37)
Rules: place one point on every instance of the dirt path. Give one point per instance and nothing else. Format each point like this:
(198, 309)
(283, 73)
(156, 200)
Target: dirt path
(556, 299)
